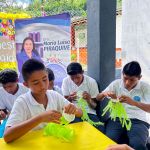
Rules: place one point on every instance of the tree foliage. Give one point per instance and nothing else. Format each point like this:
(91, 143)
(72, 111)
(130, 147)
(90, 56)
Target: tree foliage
(51, 7)
(11, 6)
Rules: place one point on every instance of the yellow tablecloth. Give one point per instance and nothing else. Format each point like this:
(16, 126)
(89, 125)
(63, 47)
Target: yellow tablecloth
(87, 138)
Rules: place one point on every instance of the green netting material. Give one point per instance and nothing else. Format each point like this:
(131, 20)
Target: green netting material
(117, 110)
(57, 130)
(82, 104)
(63, 121)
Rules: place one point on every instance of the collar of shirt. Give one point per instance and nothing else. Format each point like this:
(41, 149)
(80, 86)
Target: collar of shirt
(84, 82)
(32, 99)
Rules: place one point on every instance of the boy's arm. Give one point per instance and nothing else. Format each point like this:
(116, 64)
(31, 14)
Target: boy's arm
(102, 95)
(72, 109)
(110, 91)
(14, 132)
(145, 107)
(71, 97)
(67, 106)
(3, 111)
(119, 147)
(3, 114)
(128, 100)
(91, 101)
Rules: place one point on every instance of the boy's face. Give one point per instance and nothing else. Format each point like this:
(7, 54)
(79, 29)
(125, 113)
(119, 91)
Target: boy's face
(77, 79)
(38, 82)
(11, 87)
(130, 81)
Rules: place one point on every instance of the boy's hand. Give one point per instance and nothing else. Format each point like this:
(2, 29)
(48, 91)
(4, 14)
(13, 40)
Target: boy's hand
(51, 116)
(70, 109)
(119, 147)
(126, 99)
(2, 115)
(86, 96)
(110, 94)
(73, 96)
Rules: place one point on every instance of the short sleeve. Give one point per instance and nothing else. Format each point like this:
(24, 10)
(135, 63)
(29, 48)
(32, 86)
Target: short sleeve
(65, 89)
(62, 102)
(111, 87)
(18, 113)
(93, 89)
(2, 104)
(146, 93)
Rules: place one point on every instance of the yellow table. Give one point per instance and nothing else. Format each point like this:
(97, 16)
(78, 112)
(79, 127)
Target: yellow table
(87, 138)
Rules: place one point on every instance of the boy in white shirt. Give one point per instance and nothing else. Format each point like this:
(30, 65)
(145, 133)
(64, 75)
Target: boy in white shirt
(51, 79)
(135, 96)
(9, 91)
(87, 86)
(37, 107)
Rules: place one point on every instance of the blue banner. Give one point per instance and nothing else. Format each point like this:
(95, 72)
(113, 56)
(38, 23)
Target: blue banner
(46, 39)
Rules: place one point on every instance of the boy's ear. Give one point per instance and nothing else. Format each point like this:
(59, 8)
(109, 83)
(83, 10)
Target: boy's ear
(140, 77)
(25, 84)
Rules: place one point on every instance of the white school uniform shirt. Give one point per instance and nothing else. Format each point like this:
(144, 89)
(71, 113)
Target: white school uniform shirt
(141, 90)
(7, 100)
(89, 85)
(26, 107)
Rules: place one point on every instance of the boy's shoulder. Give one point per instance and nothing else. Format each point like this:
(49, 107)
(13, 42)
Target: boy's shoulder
(116, 83)
(67, 78)
(89, 81)
(1, 89)
(88, 78)
(23, 99)
(24, 96)
(144, 84)
(4, 94)
(22, 89)
(53, 93)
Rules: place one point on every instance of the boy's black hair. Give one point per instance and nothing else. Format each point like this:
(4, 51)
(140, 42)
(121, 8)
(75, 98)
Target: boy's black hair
(51, 76)
(132, 69)
(74, 68)
(31, 66)
(8, 75)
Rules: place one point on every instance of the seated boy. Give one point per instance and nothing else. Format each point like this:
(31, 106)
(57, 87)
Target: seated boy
(37, 107)
(135, 96)
(9, 91)
(51, 79)
(78, 82)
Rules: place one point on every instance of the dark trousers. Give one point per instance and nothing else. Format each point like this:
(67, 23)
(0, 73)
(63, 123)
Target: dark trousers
(94, 118)
(137, 136)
